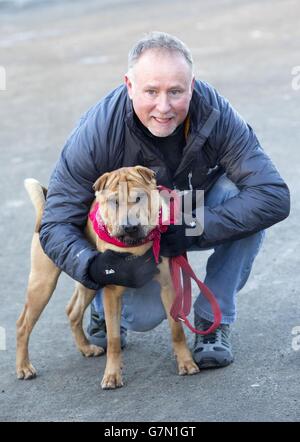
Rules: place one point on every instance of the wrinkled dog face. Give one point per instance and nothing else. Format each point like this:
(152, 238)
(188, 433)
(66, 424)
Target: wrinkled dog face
(129, 203)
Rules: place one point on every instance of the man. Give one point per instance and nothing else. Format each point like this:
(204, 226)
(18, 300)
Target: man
(164, 119)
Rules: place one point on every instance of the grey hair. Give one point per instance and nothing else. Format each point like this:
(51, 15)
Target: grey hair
(159, 40)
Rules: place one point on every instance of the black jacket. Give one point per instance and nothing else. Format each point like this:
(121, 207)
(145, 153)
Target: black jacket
(107, 138)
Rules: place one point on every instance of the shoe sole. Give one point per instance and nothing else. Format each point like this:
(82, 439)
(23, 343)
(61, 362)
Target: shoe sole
(213, 363)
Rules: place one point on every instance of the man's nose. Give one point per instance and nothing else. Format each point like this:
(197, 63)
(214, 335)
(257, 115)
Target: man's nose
(163, 105)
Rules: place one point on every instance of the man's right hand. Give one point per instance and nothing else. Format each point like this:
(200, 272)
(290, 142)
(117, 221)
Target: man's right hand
(123, 268)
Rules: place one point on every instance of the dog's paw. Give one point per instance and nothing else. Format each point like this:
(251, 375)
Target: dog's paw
(91, 350)
(111, 381)
(26, 371)
(187, 368)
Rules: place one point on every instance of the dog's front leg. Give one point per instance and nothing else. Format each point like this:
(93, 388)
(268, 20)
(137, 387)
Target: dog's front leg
(112, 301)
(185, 362)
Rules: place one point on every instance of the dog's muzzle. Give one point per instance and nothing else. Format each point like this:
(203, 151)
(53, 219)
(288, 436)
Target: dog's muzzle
(131, 234)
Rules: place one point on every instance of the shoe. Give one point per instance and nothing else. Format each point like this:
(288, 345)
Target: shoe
(214, 349)
(97, 331)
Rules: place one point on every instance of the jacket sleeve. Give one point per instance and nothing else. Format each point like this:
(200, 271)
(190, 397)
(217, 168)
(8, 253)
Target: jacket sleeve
(264, 197)
(68, 201)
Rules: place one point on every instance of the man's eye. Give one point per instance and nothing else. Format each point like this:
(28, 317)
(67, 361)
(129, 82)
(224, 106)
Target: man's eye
(151, 92)
(175, 92)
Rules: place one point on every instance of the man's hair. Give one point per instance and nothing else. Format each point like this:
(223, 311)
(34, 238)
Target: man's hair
(159, 40)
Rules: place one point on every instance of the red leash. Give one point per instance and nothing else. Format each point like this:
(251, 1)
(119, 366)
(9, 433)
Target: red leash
(179, 265)
(182, 303)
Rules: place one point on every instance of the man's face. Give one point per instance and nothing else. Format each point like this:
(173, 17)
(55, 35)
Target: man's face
(160, 85)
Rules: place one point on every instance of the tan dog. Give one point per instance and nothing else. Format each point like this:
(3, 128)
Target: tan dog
(44, 275)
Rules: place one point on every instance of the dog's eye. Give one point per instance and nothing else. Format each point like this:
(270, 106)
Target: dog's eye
(113, 202)
(138, 199)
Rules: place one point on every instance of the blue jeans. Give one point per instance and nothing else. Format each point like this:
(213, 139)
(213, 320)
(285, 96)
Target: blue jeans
(227, 271)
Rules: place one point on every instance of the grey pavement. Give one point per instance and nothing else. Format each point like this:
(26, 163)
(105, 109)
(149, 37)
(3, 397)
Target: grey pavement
(60, 60)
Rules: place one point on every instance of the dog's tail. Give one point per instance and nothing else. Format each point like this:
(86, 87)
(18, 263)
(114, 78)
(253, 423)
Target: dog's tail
(37, 194)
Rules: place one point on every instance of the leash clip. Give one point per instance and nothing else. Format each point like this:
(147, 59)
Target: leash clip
(190, 177)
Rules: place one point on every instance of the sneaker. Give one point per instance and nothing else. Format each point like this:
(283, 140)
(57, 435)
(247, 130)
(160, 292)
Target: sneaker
(97, 331)
(214, 349)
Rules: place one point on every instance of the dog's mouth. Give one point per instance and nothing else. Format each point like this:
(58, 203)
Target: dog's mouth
(132, 235)
(129, 240)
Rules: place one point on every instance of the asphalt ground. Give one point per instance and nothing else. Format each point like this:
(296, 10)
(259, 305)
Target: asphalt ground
(61, 59)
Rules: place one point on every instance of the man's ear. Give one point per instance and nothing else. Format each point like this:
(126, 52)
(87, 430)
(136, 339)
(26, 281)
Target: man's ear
(128, 83)
(193, 84)
(100, 183)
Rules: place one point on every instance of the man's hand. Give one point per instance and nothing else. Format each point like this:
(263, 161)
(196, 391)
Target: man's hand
(175, 242)
(123, 268)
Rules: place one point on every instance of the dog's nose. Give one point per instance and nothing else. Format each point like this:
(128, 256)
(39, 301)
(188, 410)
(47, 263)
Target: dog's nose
(130, 229)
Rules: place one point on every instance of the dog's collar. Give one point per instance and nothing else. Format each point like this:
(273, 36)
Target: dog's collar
(162, 226)
(102, 232)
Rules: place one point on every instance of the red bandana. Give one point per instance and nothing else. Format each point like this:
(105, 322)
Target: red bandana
(102, 232)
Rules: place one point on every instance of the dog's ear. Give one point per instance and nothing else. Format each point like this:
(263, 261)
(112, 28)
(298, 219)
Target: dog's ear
(100, 183)
(147, 174)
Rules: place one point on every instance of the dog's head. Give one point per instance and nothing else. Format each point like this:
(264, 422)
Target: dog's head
(129, 203)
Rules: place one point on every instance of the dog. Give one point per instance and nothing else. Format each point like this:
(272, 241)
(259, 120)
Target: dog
(44, 274)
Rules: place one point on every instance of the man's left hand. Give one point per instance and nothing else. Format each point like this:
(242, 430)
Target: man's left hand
(175, 241)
